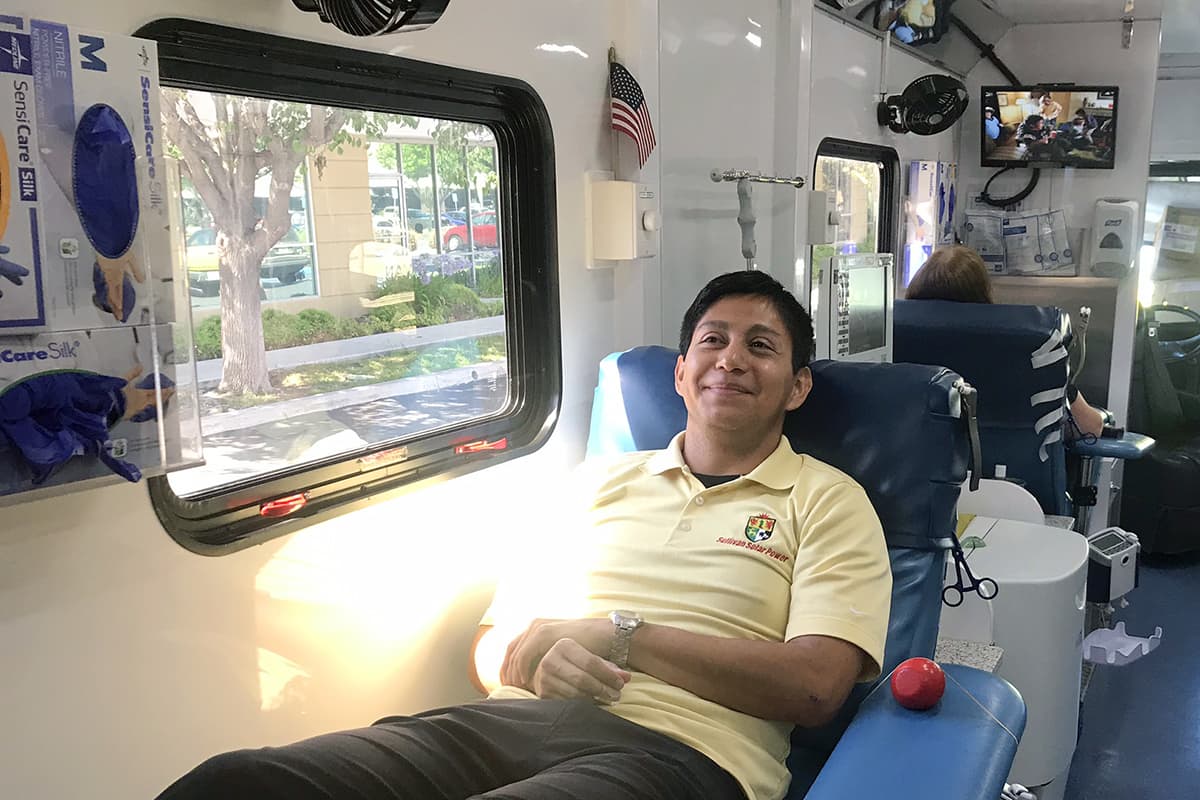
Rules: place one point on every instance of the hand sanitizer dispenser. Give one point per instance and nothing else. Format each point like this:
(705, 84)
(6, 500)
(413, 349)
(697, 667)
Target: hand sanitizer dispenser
(1114, 237)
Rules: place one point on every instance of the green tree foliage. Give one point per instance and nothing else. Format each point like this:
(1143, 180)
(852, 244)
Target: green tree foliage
(227, 143)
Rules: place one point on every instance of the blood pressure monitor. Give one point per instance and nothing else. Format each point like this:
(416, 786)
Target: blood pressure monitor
(1112, 572)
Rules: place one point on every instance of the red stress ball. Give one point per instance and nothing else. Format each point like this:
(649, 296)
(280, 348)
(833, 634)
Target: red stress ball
(918, 684)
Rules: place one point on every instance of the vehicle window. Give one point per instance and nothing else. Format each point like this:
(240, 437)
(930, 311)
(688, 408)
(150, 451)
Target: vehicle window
(202, 238)
(860, 182)
(855, 189)
(353, 322)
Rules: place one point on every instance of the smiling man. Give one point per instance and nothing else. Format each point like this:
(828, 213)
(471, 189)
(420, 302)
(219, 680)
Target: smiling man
(728, 589)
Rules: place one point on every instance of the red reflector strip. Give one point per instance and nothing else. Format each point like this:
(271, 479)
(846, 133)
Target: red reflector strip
(481, 446)
(282, 506)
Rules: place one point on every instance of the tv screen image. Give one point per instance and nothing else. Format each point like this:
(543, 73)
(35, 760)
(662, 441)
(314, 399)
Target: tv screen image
(1055, 126)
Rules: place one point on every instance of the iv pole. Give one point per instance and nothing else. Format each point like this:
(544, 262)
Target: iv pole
(745, 217)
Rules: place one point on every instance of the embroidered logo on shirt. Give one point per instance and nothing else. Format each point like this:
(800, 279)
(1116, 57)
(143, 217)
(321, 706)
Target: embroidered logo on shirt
(760, 527)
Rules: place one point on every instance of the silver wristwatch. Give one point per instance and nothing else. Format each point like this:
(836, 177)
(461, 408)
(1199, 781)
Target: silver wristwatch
(624, 624)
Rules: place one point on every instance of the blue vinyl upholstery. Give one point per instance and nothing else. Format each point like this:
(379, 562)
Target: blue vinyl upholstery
(993, 347)
(895, 429)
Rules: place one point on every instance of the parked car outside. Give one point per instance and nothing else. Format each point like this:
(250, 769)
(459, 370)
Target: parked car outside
(483, 230)
(289, 261)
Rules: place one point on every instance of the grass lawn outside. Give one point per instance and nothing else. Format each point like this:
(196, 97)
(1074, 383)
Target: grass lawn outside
(314, 379)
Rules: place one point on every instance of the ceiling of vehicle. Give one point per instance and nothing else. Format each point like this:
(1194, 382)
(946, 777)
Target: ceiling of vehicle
(991, 19)
(1181, 26)
(1029, 12)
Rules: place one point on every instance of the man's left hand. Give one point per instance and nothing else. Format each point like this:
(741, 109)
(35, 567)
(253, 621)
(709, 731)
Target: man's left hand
(527, 650)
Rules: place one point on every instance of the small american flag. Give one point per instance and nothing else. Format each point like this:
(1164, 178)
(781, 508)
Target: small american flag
(630, 112)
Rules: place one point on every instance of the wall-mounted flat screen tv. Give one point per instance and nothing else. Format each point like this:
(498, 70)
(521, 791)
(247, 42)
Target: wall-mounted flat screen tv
(1049, 126)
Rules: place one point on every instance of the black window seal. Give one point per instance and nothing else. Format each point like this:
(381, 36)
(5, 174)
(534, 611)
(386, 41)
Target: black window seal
(214, 58)
(887, 230)
(1174, 169)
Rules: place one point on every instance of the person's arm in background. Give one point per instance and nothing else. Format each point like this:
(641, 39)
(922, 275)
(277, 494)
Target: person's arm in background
(1089, 420)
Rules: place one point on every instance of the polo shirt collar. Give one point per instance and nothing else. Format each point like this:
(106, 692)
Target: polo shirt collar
(778, 471)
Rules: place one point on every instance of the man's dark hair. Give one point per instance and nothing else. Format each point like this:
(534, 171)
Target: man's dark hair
(756, 284)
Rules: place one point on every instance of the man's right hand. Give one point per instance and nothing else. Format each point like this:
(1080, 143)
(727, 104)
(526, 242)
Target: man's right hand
(569, 671)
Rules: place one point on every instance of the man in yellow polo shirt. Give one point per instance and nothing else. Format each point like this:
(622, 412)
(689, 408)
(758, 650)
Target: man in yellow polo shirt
(713, 595)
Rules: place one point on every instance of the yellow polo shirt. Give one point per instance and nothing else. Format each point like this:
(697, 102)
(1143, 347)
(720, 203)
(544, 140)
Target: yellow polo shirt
(793, 548)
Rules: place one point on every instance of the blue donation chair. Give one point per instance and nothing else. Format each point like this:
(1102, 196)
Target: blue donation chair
(1017, 358)
(1160, 500)
(897, 430)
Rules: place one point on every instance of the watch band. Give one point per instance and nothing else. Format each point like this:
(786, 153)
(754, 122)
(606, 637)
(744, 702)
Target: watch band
(624, 624)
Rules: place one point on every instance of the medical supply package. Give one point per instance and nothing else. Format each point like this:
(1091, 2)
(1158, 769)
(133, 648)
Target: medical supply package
(930, 210)
(84, 239)
(94, 407)
(1022, 243)
(1178, 244)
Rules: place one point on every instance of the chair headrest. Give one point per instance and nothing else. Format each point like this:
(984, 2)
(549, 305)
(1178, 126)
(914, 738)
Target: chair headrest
(895, 428)
(1009, 353)
(1017, 359)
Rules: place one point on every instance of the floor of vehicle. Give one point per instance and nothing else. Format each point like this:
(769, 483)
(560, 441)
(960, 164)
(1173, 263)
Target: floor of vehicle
(1140, 734)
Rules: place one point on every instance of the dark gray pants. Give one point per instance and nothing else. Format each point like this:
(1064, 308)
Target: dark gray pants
(498, 749)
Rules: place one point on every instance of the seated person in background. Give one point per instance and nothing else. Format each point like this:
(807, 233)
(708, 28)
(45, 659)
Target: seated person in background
(695, 698)
(1076, 133)
(1007, 147)
(957, 273)
(1088, 118)
(991, 125)
(1039, 140)
(1103, 138)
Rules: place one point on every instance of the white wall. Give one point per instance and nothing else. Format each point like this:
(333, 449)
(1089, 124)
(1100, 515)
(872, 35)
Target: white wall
(846, 68)
(845, 89)
(729, 103)
(1176, 120)
(720, 74)
(1083, 53)
(126, 659)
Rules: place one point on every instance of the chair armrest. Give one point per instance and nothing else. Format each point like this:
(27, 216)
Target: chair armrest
(1129, 446)
(961, 749)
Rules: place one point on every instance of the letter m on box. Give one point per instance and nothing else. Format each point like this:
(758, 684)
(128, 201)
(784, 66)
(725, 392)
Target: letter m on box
(89, 47)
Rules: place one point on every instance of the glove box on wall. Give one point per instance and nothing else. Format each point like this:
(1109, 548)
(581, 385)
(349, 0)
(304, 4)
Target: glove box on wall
(86, 405)
(84, 239)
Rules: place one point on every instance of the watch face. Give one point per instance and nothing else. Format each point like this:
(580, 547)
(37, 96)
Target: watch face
(626, 619)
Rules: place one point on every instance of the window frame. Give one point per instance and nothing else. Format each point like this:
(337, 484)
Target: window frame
(887, 226)
(214, 58)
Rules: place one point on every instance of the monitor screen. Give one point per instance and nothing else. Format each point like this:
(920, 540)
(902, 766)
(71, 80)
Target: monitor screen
(1054, 126)
(862, 301)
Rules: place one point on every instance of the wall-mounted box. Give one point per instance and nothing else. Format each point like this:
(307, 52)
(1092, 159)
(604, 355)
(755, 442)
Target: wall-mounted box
(624, 220)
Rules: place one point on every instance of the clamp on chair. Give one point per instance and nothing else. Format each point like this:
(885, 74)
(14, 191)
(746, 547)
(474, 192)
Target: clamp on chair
(897, 429)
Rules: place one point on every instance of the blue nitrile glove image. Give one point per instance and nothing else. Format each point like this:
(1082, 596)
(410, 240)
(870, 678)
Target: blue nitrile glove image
(13, 272)
(146, 384)
(105, 294)
(105, 180)
(51, 417)
(104, 185)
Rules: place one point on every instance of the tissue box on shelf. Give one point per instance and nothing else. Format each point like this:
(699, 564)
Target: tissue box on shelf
(83, 215)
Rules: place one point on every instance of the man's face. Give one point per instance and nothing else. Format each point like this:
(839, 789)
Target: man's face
(737, 375)
(988, 113)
